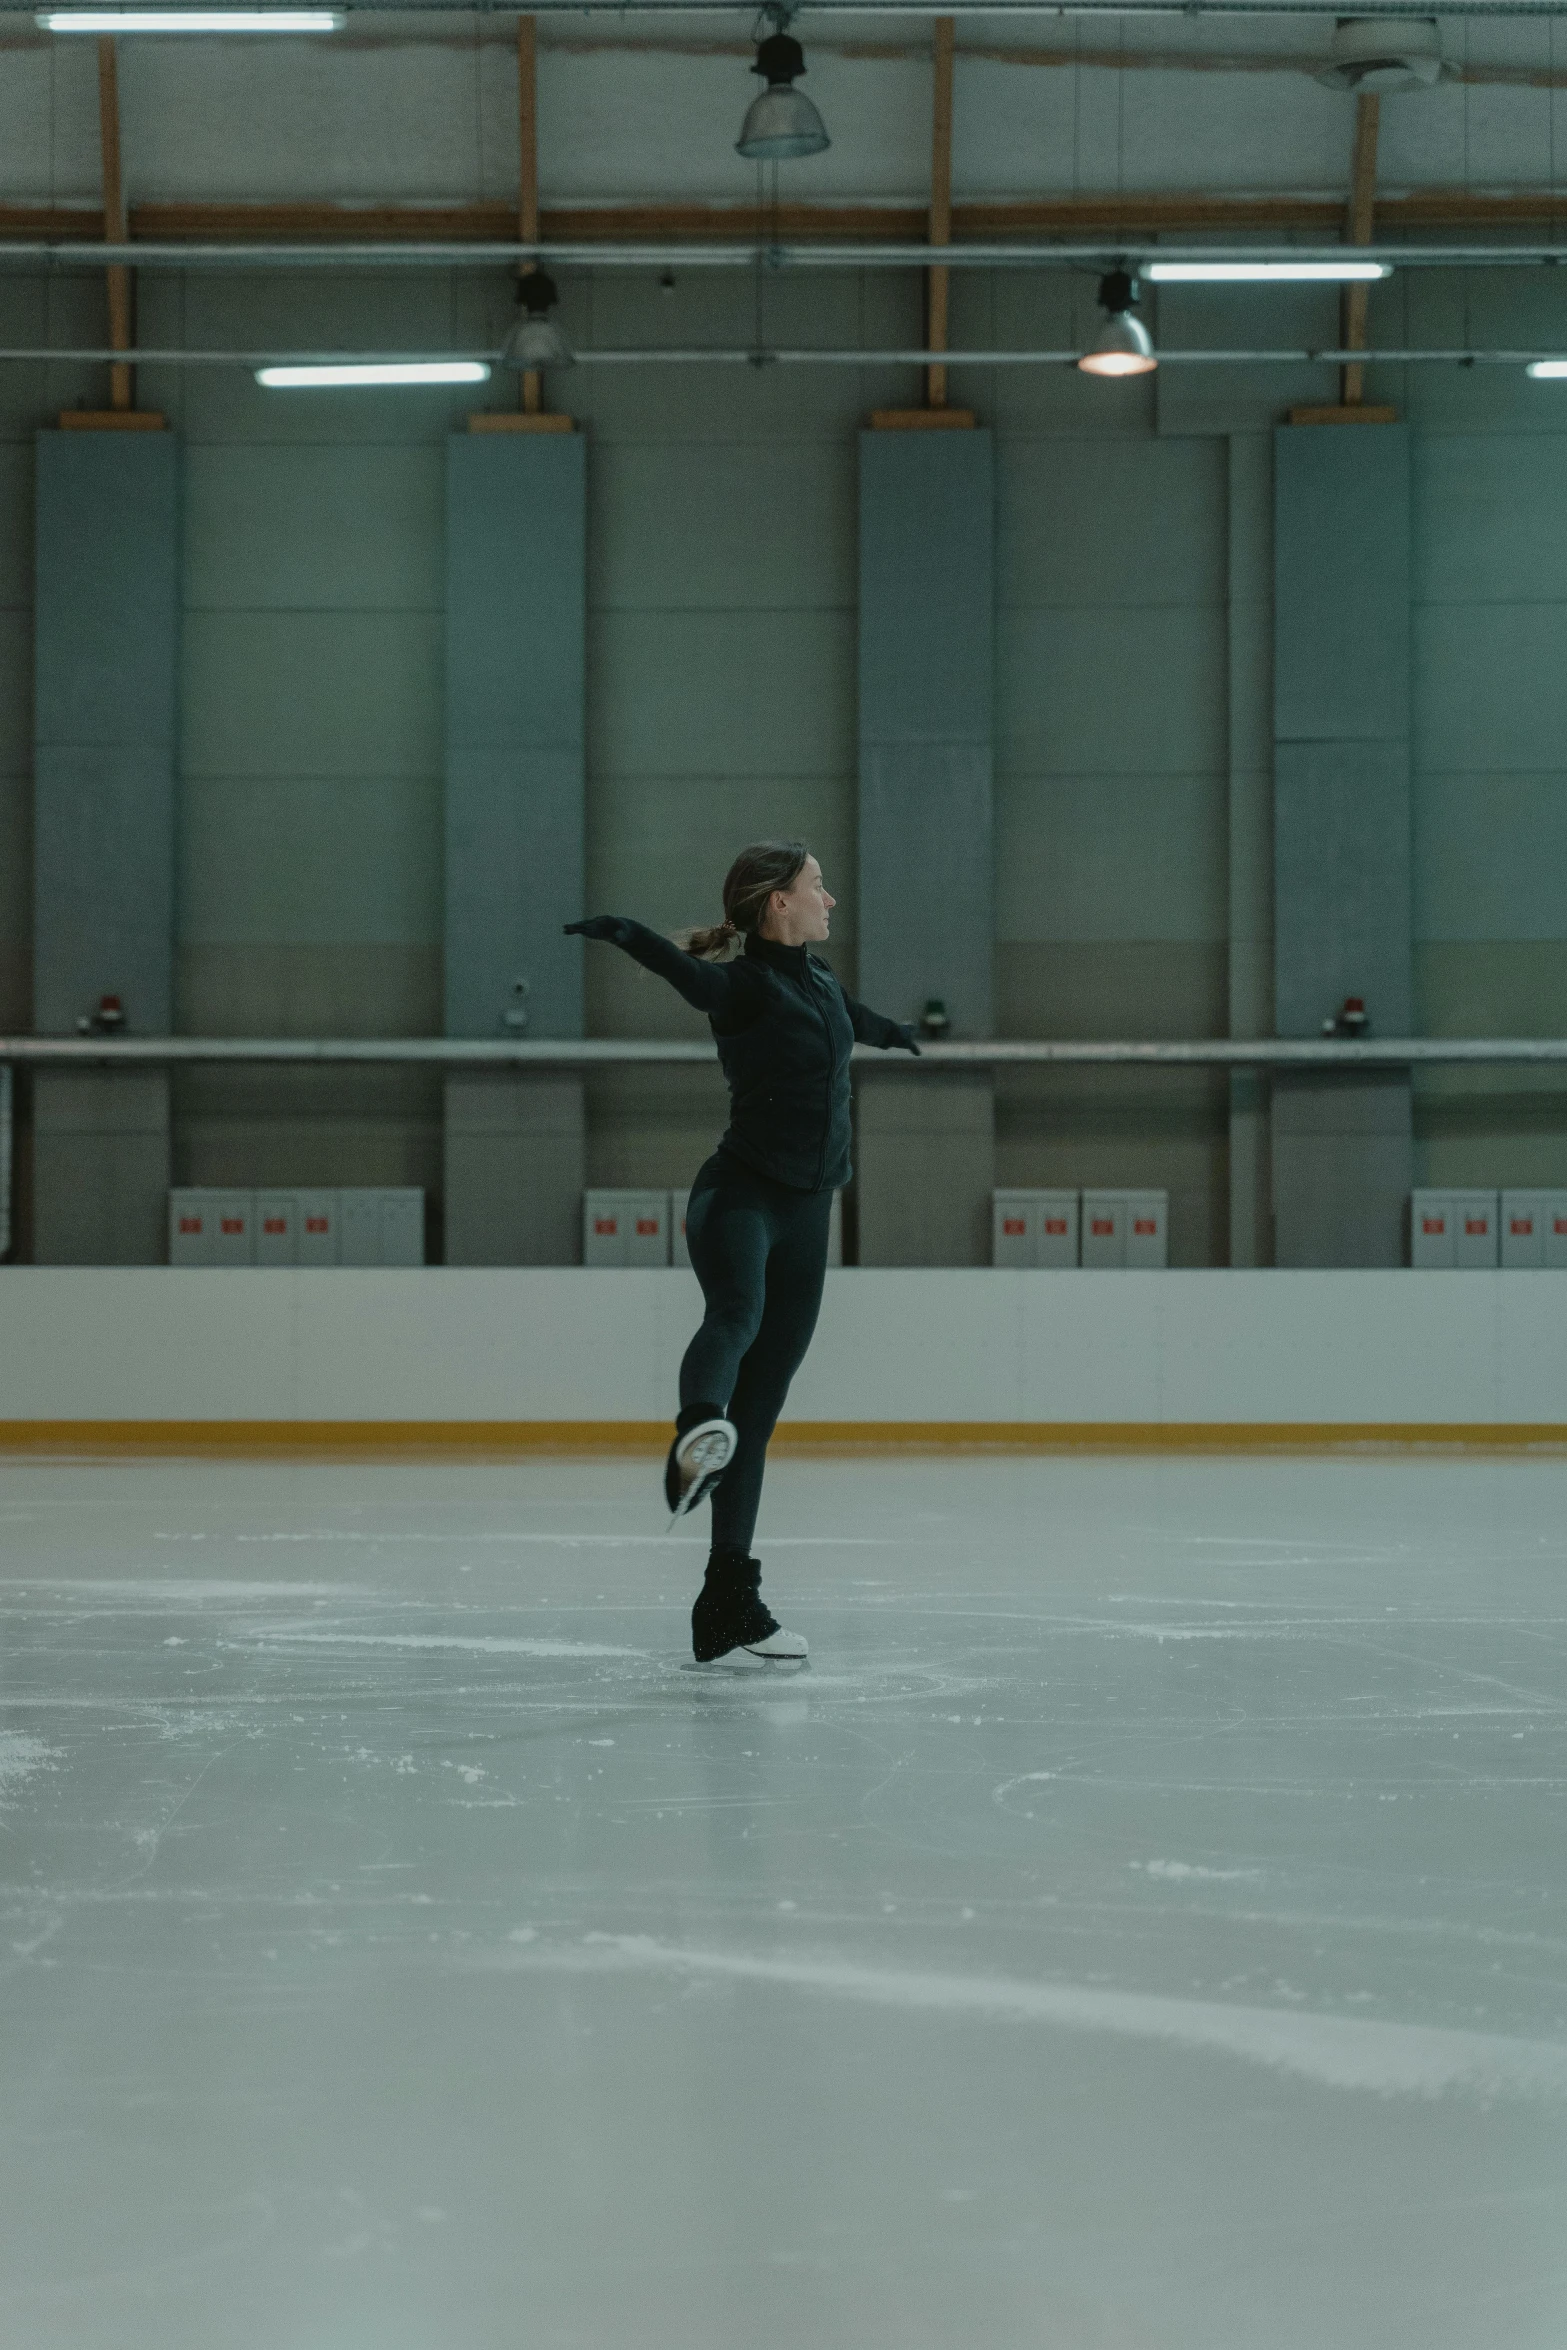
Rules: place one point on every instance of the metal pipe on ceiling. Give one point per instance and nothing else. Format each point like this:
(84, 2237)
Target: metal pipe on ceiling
(817, 11)
(675, 356)
(70, 253)
(595, 1053)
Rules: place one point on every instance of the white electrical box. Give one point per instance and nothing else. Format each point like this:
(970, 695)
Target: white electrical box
(1034, 1228)
(625, 1228)
(1014, 1221)
(359, 1226)
(277, 1228)
(1453, 1231)
(318, 1227)
(680, 1254)
(1126, 1230)
(402, 1226)
(190, 1216)
(212, 1228)
(1533, 1228)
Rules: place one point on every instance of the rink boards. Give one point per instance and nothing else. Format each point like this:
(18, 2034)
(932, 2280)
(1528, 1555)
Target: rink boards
(558, 1358)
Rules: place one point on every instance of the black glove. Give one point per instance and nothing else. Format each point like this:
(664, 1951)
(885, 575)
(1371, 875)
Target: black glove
(613, 929)
(906, 1038)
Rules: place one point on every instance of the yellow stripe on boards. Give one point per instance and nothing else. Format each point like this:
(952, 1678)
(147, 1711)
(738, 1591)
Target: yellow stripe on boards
(372, 1439)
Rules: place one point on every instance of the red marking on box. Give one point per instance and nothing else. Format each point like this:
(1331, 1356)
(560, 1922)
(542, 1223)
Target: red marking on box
(316, 1224)
(647, 1226)
(1012, 1226)
(1144, 1224)
(1054, 1225)
(606, 1226)
(1523, 1225)
(1436, 1225)
(190, 1223)
(274, 1224)
(1479, 1225)
(233, 1224)
(1103, 1226)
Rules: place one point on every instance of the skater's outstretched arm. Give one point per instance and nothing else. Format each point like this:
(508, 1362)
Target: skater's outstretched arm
(893, 1036)
(724, 991)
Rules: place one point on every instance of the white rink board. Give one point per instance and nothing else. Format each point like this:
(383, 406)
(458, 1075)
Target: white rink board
(1239, 1348)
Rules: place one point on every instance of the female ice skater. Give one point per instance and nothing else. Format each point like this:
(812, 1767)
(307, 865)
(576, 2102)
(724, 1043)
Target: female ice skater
(759, 1209)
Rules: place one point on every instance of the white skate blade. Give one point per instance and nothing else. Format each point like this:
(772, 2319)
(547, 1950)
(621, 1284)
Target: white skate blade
(779, 1648)
(702, 1454)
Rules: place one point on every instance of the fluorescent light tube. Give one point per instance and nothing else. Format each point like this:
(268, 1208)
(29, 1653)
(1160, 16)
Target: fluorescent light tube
(1256, 273)
(191, 20)
(378, 371)
(1547, 371)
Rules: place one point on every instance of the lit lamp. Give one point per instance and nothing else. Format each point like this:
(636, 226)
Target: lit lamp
(1125, 346)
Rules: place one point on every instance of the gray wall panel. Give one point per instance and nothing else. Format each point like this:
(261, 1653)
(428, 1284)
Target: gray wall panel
(1342, 1153)
(927, 827)
(514, 874)
(927, 820)
(515, 640)
(103, 882)
(515, 832)
(107, 534)
(927, 586)
(1341, 588)
(107, 525)
(1341, 845)
(515, 561)
(927, 672)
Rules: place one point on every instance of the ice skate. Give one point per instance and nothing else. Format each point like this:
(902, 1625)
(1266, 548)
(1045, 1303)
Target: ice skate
(697, 1459)
(732, 1627)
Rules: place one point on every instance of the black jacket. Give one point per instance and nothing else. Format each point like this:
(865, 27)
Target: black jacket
(785, 1030)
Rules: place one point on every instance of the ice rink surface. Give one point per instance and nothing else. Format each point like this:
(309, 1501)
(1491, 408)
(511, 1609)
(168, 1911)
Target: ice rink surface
(1143, 1927)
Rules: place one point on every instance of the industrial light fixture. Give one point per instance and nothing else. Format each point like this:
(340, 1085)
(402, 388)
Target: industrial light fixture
(1547, 371)
(1125, 347)
(191, 20)
(781, 123)
(1259, 273)
(1374, 56)
(373, 371)
(536, 340)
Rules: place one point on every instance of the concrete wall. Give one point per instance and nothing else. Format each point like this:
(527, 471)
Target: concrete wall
(721, 697)
(1368, 1349)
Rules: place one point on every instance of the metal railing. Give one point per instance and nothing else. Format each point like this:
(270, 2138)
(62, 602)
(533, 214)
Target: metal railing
(1268, 1052)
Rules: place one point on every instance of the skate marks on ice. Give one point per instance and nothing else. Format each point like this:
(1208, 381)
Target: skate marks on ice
(1386, 2059)
(20, 1756)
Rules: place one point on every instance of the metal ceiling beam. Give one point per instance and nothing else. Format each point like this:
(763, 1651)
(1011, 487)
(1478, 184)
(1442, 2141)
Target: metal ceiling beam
(82, 254)
(459, 1052)
(652, 356)
(819, 11)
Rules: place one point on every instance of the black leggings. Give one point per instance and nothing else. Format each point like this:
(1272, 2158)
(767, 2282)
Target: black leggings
(759, 1249)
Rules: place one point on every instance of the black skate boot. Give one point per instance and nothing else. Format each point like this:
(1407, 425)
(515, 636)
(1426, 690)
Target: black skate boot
(729, 1623)
(703, 1448)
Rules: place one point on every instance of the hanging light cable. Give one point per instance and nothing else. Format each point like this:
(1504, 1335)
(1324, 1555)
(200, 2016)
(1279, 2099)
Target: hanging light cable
(1124, 347)
(781, 123)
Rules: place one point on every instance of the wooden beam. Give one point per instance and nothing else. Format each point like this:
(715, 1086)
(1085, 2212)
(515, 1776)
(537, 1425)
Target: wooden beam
(1170, 213)
(1357, 231)
(528, 173)
(114, 221)
(937, 281)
